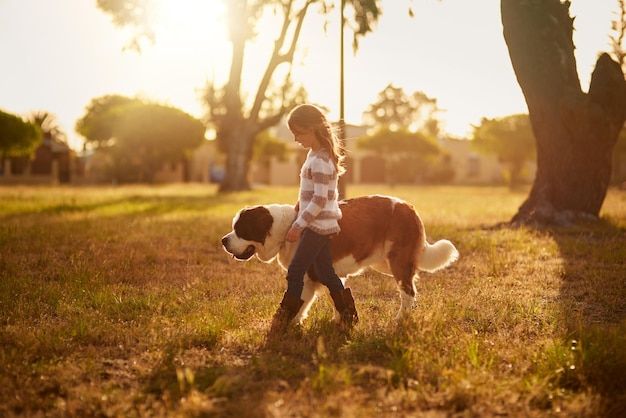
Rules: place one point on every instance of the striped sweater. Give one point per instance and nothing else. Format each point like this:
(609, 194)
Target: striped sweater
(319, 208)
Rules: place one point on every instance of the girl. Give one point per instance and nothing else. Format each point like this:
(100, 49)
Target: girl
(318, 215)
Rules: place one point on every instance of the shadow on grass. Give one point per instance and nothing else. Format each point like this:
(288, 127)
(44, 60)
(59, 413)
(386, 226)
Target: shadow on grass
(593, 298)
(320, 369)
(139, 204)
(293, 374)
(594, 276)
(129, 201)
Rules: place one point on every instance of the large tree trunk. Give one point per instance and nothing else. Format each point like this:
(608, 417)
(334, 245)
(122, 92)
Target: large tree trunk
(237, 131)
(232, 131)
(575, 131)
(238, 159)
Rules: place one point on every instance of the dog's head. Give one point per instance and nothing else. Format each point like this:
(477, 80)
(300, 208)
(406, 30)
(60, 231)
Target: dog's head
(251, 228)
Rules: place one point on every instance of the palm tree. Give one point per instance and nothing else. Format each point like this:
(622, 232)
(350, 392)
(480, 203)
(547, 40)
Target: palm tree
(49, 126)
(54, 140)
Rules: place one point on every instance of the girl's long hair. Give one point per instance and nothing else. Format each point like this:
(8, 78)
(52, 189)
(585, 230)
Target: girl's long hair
(310, 116)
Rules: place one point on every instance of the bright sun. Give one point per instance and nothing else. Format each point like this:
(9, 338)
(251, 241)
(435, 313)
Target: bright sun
(191, 47)
(193, 28)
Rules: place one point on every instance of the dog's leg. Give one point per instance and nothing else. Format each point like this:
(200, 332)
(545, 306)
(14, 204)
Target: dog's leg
(403, 265)
(406, 303)
(308, 296)
(405, 273)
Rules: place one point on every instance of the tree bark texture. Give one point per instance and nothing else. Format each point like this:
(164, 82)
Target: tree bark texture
(575, 131)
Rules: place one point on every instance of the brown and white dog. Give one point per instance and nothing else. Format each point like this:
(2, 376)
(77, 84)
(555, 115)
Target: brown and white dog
(381, 232)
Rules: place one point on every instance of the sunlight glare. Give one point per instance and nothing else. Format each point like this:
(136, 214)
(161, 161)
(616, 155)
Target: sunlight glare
(191, 44)
(196, 25)
(177, 14)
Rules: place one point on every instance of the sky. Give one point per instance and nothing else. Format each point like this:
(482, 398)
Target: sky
(57, 55)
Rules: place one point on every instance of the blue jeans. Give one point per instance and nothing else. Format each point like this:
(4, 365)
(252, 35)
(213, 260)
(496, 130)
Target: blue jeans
(313, 250)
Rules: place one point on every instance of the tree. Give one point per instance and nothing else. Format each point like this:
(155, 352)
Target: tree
(268, 147)
(617, 43)
(398, 110)
(406, 128)
(510, 139)
(48, 124)
(619, 160)
(17, 137)
(617, 38)
(97, 125)
(139, 137)
(575, 131)
(408, 155)
(237, 122)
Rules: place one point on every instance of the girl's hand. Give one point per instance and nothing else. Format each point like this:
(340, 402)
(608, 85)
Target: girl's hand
(294, 234)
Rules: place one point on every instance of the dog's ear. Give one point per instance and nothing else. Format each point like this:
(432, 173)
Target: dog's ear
(254, 224)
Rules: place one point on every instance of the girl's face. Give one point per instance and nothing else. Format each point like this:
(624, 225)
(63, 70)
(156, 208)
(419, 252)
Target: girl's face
(305, 137)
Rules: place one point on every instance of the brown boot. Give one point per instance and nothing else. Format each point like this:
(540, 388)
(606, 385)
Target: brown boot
(288, 309)
(344, 303)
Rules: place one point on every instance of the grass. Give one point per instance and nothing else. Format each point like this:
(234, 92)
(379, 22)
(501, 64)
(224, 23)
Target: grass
(120, 302)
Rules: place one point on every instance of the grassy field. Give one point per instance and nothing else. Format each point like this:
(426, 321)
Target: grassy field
(121, 302)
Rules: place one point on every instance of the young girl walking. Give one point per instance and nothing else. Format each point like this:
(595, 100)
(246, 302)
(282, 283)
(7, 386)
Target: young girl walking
(318, 215)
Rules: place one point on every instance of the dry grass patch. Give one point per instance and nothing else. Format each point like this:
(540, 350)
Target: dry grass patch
(121, 302)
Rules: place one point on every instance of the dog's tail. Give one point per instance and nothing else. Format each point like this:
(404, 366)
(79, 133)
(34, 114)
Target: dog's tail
(437, 256)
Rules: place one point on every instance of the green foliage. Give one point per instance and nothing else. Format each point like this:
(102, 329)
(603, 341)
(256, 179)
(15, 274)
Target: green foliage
(406, 128)
(509, 138)
(267, 146)
(17, 137)
(387, 141)
(148, 136)
(48, 124)
(139, 137)
(137, 13)
(101, 116)
(366, 14)
(401, 111)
